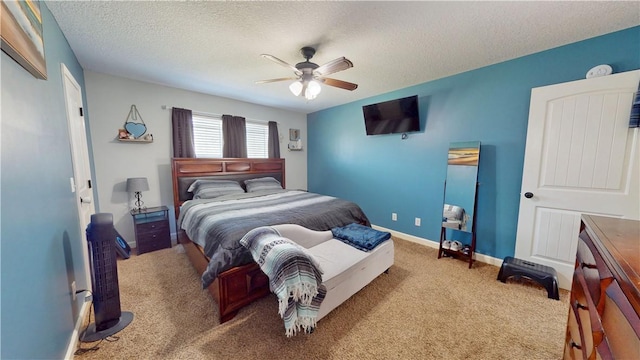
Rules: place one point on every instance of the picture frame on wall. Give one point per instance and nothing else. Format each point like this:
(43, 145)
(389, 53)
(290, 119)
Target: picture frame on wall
(294, 134)
(22, 36)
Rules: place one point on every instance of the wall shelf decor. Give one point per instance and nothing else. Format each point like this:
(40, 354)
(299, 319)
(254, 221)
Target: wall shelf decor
(295, 146)
(137, 140)
(134, 128)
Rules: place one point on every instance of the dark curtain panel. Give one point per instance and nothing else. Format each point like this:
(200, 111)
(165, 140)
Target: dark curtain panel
(234, 133)
(274, 141)
(182, 133)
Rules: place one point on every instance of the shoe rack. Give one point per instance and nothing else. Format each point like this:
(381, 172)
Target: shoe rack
(458, 254)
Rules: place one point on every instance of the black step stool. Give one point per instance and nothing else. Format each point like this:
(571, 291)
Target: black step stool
(544, 275)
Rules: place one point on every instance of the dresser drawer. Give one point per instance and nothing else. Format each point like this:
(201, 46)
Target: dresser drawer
(156, 244)
(586, 314)
(158, 235)
(152, 227)
(621, 324)
(152, 241)
(595, 272)
(573, 342)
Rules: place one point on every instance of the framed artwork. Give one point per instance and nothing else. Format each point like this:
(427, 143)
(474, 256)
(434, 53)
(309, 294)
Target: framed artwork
(464, 153)
(294, 134)
(21, 35)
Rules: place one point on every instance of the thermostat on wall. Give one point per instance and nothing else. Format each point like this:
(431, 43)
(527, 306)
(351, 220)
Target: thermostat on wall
(600, 70)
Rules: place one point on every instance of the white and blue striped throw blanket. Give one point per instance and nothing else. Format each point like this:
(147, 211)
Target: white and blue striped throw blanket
(294, 276)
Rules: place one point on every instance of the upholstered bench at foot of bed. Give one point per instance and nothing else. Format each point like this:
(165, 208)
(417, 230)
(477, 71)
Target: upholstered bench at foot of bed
(346, 269)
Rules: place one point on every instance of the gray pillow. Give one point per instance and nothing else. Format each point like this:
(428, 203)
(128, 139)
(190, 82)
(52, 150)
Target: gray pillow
(265, 183)
(209, 189)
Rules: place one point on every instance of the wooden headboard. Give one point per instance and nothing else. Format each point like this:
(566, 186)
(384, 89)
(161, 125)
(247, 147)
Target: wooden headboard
(185, 171)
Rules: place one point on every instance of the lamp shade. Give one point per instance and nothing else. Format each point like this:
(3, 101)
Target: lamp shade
(312, 91)
(296, 87)
(137, 184)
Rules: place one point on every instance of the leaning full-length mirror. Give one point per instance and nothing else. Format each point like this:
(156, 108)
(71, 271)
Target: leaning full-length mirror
(460, 188)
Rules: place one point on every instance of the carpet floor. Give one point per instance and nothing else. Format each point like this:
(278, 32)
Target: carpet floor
(425, 308)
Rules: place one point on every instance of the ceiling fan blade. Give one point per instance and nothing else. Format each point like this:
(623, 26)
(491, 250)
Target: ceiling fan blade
(274, 80)
(281, 63)
(333, 66)
(339, 84)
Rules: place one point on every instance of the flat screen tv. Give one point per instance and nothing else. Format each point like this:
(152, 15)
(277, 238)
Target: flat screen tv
(393, 116)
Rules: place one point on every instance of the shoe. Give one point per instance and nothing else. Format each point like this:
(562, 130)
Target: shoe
(446, 244)
(466, 249)
(456, 246)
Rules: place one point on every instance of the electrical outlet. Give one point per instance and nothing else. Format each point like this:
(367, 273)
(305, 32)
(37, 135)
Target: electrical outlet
(418, 221)
(394, 217)
(73, 290)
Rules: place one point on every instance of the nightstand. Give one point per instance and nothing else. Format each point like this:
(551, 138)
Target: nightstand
(152, 229)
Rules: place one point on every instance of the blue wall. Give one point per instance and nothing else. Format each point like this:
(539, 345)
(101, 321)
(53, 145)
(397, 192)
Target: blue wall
(386, 174)
(41, 243)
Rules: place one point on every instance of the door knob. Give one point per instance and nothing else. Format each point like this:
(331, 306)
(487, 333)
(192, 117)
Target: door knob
(85, 199)
(528, 195)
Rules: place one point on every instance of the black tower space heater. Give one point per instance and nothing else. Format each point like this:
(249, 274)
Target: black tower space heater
(101, 236)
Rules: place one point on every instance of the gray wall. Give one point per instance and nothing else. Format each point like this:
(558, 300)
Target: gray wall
(110, 99)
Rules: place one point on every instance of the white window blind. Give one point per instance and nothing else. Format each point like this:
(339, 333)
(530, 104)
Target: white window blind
(208, 141)
(257, 140)
(207, 136)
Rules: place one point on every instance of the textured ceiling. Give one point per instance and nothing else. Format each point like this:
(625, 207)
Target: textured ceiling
(213, 47)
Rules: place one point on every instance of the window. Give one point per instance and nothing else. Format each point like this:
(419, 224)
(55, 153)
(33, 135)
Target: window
(257, 140)
(207, 137)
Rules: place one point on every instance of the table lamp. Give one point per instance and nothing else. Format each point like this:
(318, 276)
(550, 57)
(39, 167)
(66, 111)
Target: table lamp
(136, 186)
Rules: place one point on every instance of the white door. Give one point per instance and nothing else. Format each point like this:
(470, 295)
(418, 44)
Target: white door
(81, 181)
(580, 157)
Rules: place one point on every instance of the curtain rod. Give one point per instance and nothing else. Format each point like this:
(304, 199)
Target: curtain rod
(165, 107)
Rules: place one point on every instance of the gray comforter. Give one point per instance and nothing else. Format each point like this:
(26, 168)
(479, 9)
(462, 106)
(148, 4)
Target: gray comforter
(218, 224)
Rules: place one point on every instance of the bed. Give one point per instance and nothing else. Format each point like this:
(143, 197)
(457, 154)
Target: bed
(233, 278)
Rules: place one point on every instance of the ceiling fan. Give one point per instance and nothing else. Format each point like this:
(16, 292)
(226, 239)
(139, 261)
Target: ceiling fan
(309, 75)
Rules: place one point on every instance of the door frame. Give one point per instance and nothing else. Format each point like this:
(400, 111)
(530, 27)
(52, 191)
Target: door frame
(67, 76)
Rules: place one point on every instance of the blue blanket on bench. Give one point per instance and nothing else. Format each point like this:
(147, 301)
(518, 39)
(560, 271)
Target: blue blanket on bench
(359, 236)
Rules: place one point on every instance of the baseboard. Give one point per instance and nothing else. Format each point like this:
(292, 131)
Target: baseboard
(75, 336)
(436, 244)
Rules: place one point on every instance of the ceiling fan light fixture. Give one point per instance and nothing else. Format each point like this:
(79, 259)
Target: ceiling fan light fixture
(312, 91)
(296, 87)
(309, 75)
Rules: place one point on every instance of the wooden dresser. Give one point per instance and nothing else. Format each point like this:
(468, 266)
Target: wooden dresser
(604, 316)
